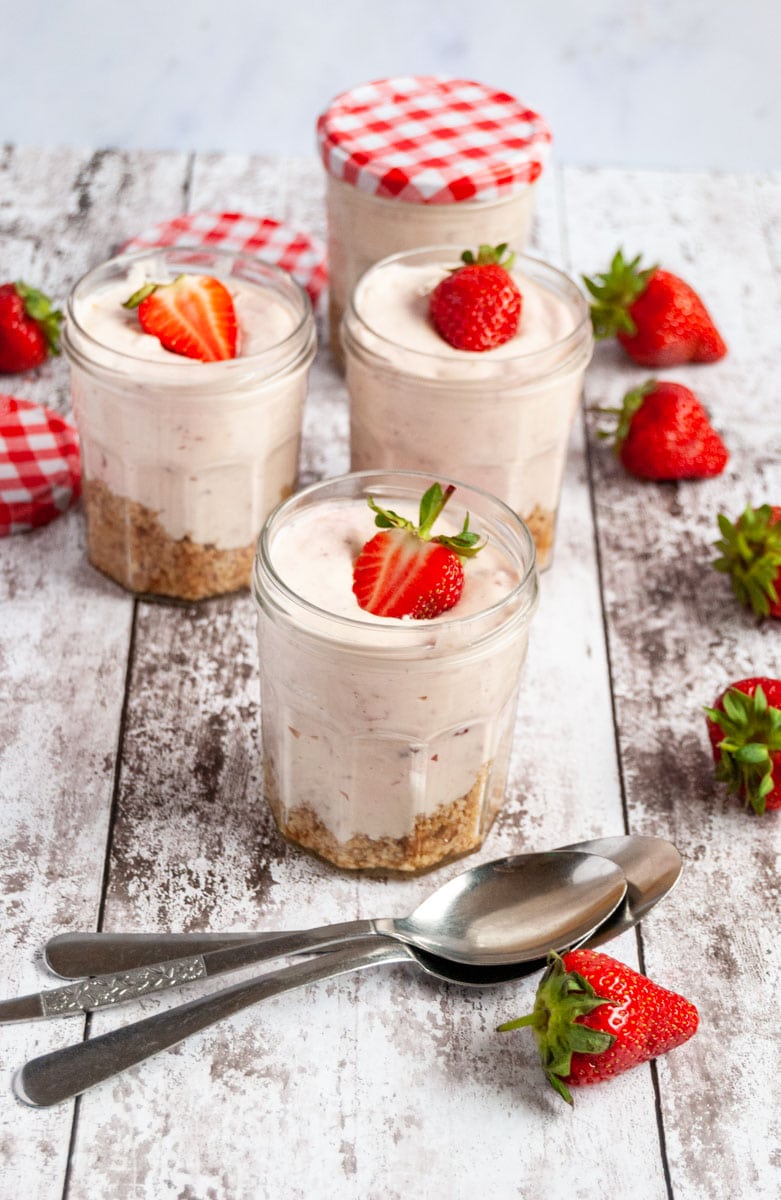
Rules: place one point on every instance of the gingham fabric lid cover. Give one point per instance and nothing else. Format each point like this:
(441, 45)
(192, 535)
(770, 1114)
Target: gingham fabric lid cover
(40, 472)
(293, 249)
(430, 139)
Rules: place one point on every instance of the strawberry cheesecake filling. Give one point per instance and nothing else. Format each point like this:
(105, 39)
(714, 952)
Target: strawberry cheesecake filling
(499, 417)
(184, 458)
(386, 739)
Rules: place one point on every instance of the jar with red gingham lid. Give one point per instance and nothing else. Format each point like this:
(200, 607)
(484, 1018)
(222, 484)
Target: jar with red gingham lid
(423, 160)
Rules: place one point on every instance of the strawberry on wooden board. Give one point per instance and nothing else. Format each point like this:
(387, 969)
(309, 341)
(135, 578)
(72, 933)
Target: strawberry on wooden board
(478, 306)
(193, 316)
(663, 432)
(594, 1018)
(750, 553)
(744, 727)
(29, 328)
(405, 572)
(657, 317)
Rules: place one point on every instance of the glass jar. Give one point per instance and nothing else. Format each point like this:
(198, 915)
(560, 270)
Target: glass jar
(499, 419)
(423, 160)
(386, 741)
(182, 460)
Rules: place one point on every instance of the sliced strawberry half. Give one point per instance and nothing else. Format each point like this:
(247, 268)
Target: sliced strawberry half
(193, 316)
(403, 571)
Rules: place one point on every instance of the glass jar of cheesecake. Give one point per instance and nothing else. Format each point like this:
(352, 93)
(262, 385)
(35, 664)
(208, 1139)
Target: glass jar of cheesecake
(183, 459)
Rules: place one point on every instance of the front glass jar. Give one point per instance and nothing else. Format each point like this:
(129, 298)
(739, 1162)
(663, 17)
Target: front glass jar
(386, 741)
(182, 460)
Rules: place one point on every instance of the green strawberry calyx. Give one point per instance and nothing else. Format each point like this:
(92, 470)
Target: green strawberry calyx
(752, 735)
(38, 307)
(750, 553)
(562, 997)
(489, 256)
(466, 543)
(631, 404)
(613, 294)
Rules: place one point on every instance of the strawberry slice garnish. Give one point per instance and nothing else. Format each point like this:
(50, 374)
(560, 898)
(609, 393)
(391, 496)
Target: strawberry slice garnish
(405, 572)
(192, 316)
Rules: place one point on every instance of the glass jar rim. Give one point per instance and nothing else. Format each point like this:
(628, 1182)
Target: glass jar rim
(561, 349)
(285, 349)
(394, 633)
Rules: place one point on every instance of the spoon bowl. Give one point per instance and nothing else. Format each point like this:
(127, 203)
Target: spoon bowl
(513, 910)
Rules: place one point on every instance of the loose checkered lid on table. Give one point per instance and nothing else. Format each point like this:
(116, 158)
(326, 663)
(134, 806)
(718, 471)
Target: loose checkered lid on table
(275, 242)
(40, 472)
(429, 139)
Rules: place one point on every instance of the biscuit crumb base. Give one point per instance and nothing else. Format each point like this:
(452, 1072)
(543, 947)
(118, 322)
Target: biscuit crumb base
(451, 831)
(542, 525)
(126, 541)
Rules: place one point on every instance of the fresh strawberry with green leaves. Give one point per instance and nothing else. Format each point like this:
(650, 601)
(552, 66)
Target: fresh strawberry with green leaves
(744, 727)
(663, 432)
(404, 571)
(29, 327)
(478, 306)
(750, 553)
(594, 1018)
(657, 317)
(193, 316)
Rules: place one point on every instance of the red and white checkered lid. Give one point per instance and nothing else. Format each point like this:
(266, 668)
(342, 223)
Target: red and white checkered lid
(429, 139)
(40, 472)
(295, 250)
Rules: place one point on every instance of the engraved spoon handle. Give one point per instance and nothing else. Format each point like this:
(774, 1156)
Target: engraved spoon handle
(65, 1073)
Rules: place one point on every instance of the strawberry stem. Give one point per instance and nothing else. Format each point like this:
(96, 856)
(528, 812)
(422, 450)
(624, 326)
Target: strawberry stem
(38, 307)
(562, 997)
(614, 292)
(752, 735)
(466, 543)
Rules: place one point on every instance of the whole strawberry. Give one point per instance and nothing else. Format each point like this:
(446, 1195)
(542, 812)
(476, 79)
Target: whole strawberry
(478, 306)
(403, 571)
(663, 432)
(744, 727)
(657, 317)
(594, 1018)
(193, 316)
(750, 553)
(29, 328)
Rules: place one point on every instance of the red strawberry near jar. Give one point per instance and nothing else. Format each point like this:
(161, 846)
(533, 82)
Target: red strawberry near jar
(655, 315)
(29, 328)
(744, 727)
(750, 554)
(664, 432)
(594, 1018)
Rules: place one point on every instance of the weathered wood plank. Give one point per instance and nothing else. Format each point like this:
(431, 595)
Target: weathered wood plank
(676, 639)
(64, 636)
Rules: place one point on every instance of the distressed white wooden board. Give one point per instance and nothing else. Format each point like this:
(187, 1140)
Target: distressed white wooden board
(357, 1083)
(676, 639)
(64, 636)
(238, 1111)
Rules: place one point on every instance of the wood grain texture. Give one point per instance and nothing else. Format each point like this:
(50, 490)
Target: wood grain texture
(389, 1084)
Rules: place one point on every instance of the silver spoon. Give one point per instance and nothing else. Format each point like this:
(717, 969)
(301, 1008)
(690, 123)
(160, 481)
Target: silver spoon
(512, 910)
(651, 866)
(654, 868)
